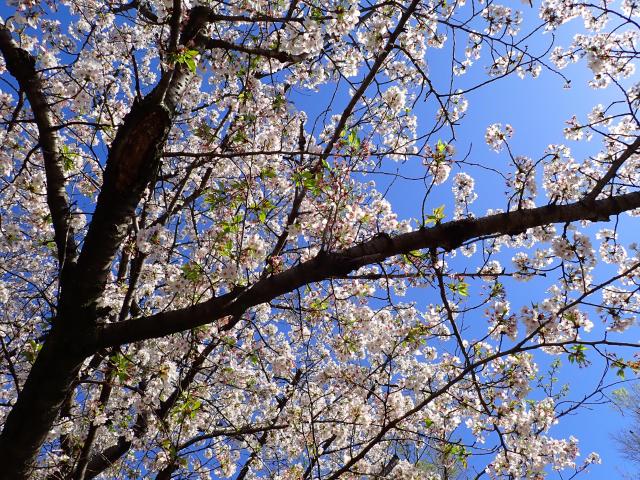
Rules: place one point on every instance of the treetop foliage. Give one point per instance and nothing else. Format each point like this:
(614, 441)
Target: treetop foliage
(202, 274)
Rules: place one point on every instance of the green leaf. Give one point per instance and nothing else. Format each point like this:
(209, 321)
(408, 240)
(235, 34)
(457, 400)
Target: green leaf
(316, 14)
(187, 406)
(192, 271)
(279, 101)
(458, 451)
(268, 172)
(436, 217)
(620, 368)
(577, 355)
(229, 341)
(191, 64)
(319, 305)
(244, 96)
(121, 364)
(227, 248)
(461, 288)
(441, 152)
(351, 138)
(68, 158)
(309, 180)
(214, 198)
(248, 118)
(204, 131)
(186, 57)
(32, 350)
(232, 225)
(240, 137)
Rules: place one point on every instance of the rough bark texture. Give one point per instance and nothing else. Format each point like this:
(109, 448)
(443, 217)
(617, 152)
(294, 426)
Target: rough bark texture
(132, 163)
(447, 236)
(51, 378)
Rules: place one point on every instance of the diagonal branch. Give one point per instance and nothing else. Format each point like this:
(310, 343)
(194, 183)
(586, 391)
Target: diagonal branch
(21, 65)
(380, 58)
(613, 170)
(231, 432)
(133, 161)
(447, 236)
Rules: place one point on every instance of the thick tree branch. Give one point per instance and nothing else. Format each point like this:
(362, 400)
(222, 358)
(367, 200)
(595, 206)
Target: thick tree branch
(21, 65)
(447, 236)
(132, 163)
(108, 457)
(52, 377)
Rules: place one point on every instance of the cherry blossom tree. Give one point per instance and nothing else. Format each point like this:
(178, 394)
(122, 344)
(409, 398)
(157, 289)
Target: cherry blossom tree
(202, 275)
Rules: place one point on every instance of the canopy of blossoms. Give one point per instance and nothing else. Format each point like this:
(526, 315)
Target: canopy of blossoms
(201, 272)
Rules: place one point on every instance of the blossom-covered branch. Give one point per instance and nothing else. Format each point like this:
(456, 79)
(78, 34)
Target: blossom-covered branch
(215, 217)
(22, 67)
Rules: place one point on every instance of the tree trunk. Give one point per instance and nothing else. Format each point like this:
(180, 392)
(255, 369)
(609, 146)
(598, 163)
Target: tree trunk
(49, 382)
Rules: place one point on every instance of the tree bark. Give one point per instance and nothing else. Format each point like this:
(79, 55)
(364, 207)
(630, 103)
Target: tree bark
(132, 163)
(21, 65)
(447, 236)
(51, 378)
